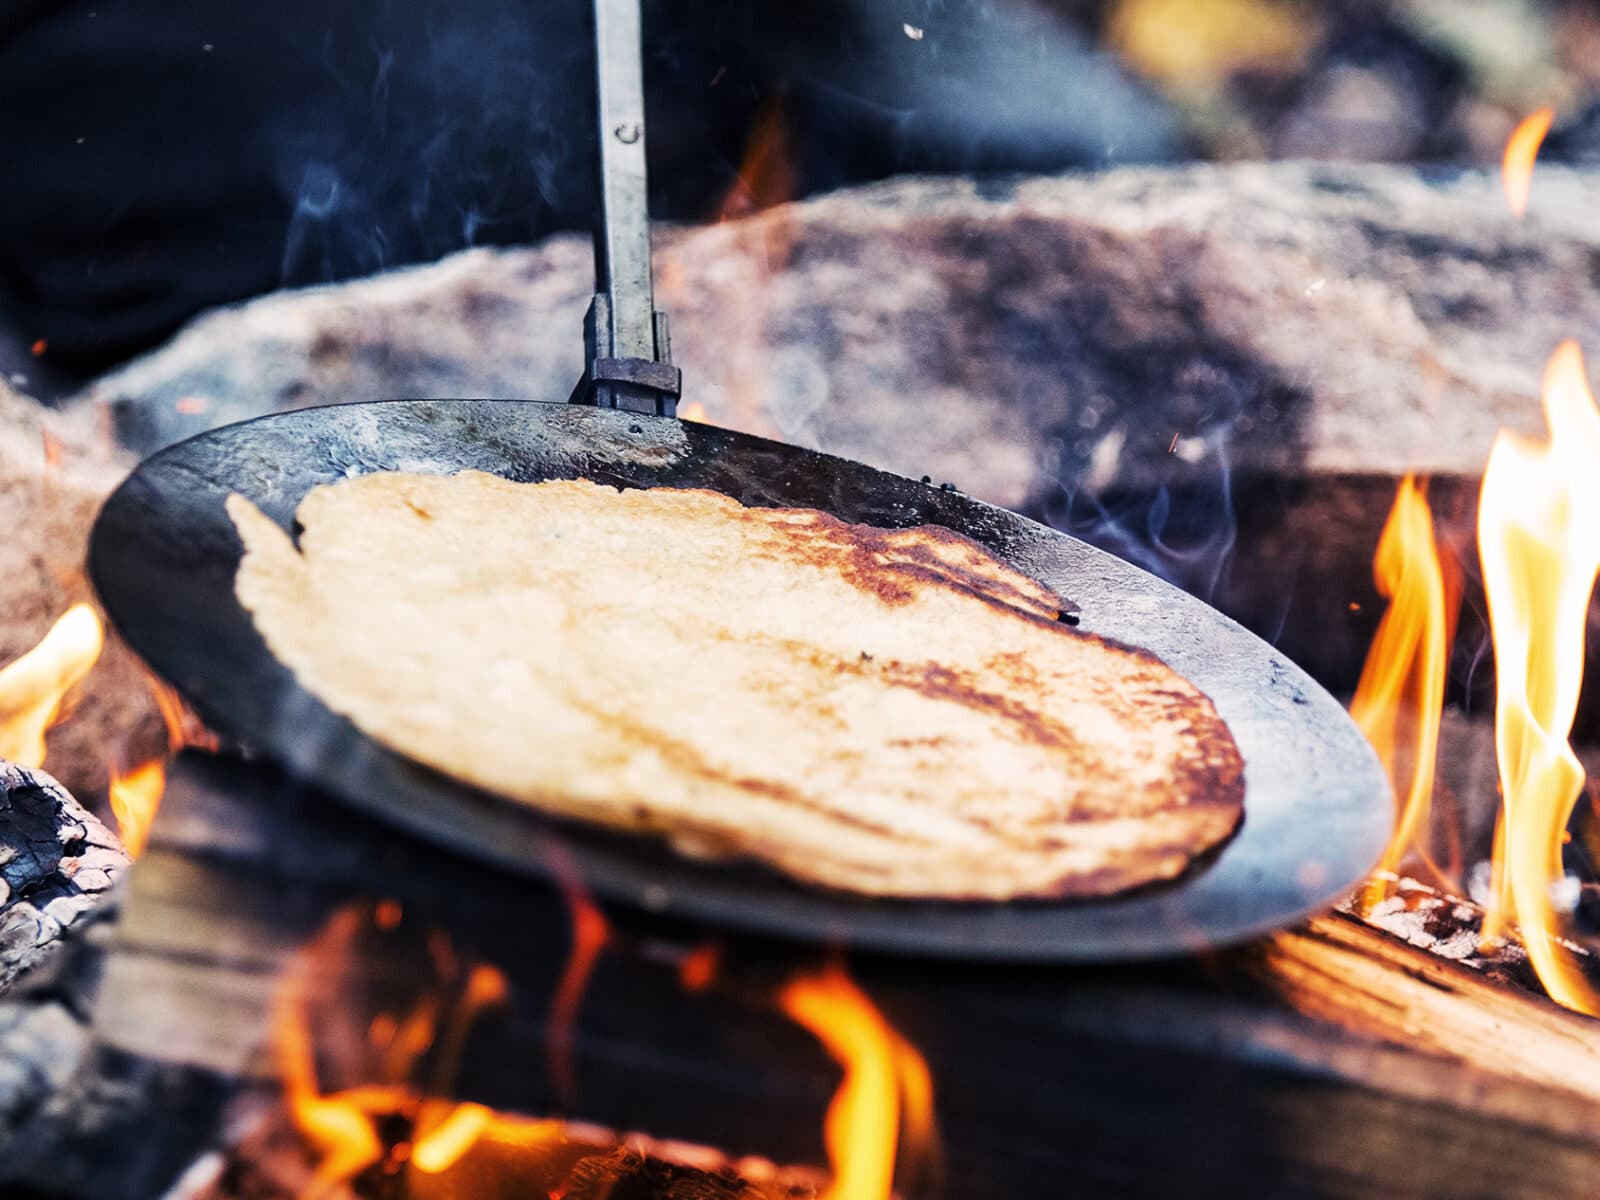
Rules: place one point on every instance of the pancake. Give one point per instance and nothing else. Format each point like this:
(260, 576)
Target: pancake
(886, 712)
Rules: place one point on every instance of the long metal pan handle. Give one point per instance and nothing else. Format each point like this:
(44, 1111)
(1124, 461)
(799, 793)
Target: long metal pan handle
(628, 359)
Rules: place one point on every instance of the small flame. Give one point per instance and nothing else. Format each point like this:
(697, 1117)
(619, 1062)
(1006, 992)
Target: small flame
(1522, 147)
(54, 452)
(693, 411)
(344, 1126)
(1400, 698)
(33, 688)
(886, 1085)
(766, 175)
(1539, 543)
(442, 1146)
(135, 796)
(590, 934)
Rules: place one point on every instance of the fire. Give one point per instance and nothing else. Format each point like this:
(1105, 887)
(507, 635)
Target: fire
(698, 969)
(590, 934)
(886, 1088)
(1400, 698)
(692, 411)
(33, 688)
(766, 176)
(135, 796)
(1539, 543)
(1522, 147)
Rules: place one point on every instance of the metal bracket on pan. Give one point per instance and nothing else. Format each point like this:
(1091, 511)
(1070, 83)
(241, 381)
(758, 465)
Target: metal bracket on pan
(650, 385)
(628, 355)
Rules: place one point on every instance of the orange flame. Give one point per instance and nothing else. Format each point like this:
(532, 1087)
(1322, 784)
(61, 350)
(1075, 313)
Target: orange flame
(697, 970)
(33, 687)
(886, 1085)
(692, 411)
(766, 175)
(1522, 147)
(1539, 542)
(590, 933)
(1400, 698)
(135, 796)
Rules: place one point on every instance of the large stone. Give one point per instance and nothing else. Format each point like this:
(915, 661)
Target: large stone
(1144, 357)
(55, 468)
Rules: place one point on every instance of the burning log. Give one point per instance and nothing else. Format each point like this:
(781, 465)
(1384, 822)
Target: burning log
(1321, 1056)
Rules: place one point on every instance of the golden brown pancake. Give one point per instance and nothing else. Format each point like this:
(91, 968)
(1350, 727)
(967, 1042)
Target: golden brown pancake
(888, 712)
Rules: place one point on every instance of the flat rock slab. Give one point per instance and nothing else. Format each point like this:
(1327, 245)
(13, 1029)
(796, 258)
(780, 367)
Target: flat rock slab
(1049, 332)
(1141, 357)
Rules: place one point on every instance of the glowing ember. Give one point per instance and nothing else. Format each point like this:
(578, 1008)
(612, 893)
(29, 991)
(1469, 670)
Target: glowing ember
(886, 1084)
(135, 796)
(1401, 694)
(443, 1145)
(1539, 543)
(32, 688)
(1521, 149)
(698, 969)
(692, 411)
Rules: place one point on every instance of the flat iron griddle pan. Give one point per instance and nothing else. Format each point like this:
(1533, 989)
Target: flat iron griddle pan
(163, 556)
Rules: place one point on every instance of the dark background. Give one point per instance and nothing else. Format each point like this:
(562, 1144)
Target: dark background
(170, 155)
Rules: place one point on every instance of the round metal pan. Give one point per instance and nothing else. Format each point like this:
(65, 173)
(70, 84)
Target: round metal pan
(163, 556)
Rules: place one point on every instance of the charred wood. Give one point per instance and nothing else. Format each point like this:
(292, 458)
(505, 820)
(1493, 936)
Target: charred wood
(57, 867)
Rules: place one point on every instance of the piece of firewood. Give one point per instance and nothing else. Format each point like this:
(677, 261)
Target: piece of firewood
(1262, 1076)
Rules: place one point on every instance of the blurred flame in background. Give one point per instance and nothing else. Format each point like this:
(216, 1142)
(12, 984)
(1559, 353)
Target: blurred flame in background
(766, 173)
(887, 1090)
(1521, 149)
(135, 796)
(1400, 698)
(1539, 544)
(34, 687)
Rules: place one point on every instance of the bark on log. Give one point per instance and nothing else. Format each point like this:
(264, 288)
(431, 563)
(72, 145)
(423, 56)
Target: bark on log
(57, 863)
(55, 469)
(57, 867)
(1264, 1067)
